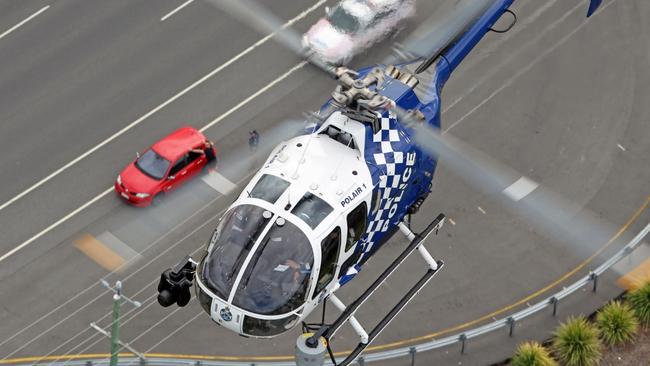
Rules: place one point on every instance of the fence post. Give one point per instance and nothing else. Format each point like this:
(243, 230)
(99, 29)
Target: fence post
(462, 338)
(511, 322)
(198, 363)
(413, 351)
(554, 301)
(143, 362)
(361, 361)
(594, 277)
(89, 363)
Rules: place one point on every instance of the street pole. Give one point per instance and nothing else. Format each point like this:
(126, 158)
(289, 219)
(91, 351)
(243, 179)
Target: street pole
(115, 329)
(115, 325)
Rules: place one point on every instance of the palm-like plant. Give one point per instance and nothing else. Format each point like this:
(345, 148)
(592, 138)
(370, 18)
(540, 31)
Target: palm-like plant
(576, 343)
(617, 323)
(640, 301)
(532, 354)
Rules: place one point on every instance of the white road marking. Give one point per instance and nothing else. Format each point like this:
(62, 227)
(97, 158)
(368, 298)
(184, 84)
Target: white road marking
(23, 22)
(62, 220)
(482, 210)
(185, 323)
(161, 106)
(176, 10)
(492, 47)
(255, 95)
(526, 69)
(212, 123)
(218, 182)
(621, 147)
(520, 189)
(118, 246)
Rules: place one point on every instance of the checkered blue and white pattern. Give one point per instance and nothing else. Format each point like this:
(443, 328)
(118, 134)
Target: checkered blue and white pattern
(391, 163)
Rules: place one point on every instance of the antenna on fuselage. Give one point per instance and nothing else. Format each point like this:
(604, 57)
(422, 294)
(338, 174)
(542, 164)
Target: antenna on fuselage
(336, 171)
(302, 157)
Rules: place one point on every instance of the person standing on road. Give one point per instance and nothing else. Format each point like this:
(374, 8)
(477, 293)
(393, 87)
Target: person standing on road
(253, 140)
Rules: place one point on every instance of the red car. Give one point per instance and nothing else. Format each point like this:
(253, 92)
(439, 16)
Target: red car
(165, 166)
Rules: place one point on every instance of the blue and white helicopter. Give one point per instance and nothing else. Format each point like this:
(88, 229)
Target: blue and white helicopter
(325, 201)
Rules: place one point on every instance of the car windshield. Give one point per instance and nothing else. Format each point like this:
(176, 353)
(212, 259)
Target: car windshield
(152, 164)
(276, 280)
(312, 210)
(343, 21)
(235, 236)
(269, 188)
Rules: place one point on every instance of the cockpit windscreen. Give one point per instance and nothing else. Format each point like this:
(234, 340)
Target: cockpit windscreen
(269, 188)
(276, 280)
(312, 210)
(236, 234)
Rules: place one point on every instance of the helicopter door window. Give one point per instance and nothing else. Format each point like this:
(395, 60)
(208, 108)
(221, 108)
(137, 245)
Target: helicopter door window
(329, 259)
(356, 225)
(376, 198)
(312, 210)
(269, 188)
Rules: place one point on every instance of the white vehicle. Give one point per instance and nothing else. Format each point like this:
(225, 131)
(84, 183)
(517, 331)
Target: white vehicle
(354, 25)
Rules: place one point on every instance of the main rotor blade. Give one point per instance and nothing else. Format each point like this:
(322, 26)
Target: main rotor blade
(445, 25)
(551, 214)
(265, 22)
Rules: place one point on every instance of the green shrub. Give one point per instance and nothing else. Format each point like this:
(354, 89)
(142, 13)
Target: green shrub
(617, 323)
(576, 343)
(532, 354)
(639, 299)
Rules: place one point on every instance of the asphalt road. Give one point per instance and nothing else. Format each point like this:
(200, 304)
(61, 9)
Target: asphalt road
(559, 98)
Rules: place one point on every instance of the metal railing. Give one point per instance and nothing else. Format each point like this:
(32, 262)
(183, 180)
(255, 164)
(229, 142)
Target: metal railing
(412, 351)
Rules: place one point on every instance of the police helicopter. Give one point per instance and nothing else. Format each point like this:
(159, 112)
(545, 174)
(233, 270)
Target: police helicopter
(325, 201)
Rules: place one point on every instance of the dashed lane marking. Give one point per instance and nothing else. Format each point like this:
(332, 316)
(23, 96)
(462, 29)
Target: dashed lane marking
(159, 107)
(110, 189)
(98, 252)
(8, 31)
(520, 189)
(218, 182)
(188, 2)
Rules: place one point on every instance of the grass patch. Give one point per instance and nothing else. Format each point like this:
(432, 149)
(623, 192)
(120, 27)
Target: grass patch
(576, 343)
(617, 323)
(532, 354)
(639, 299)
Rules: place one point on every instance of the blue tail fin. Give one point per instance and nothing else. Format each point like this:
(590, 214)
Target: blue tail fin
(593, 5)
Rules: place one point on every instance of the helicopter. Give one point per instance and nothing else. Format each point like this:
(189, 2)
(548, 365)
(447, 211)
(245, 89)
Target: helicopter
(325, 201)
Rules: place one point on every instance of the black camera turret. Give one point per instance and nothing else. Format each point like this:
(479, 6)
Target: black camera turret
(175, 283)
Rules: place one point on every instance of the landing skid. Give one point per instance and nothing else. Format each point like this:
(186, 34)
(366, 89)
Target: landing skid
(306, 352)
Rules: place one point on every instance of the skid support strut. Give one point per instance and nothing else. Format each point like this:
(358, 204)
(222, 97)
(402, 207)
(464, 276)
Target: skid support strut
(325, 333)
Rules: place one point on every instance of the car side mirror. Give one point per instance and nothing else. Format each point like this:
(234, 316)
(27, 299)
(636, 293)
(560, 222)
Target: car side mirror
(137, 155)
(171, 177)
(328, 10)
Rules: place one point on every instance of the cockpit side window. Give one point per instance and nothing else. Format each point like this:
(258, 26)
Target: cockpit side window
(312, 210)
(276, 279)
(337, 134)
(356, 225)
(269, 188)
(329, 259)
(235, 236)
